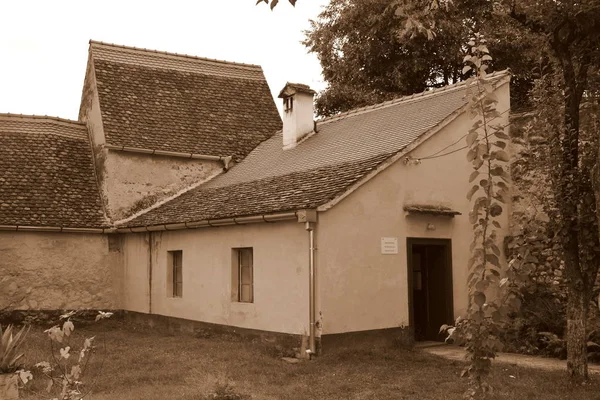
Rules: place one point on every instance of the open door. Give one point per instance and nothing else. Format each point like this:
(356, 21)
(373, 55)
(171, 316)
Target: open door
(430, 287)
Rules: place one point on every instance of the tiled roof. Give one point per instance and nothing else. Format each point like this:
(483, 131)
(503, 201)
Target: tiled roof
(298, 190)
(319, 168)
(162, 101)
(47, 177)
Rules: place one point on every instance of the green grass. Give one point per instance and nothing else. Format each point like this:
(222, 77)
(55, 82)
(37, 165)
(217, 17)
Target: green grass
(142, 364)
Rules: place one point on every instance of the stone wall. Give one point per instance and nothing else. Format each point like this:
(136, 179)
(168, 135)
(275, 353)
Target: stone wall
(50, 271)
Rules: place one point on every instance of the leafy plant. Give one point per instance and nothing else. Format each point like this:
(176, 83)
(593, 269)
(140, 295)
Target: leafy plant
(481, 328)
(11, 347)
(273, 3)
(66, 371)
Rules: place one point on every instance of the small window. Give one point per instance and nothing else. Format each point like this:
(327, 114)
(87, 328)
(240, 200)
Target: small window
(175, 274)
(242, 275)
(288, 103)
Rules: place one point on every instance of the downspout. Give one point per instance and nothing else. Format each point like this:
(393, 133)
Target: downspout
(150, 273)
(310, 227)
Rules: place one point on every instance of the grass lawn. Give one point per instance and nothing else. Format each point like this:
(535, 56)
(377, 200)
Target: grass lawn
(142, 364)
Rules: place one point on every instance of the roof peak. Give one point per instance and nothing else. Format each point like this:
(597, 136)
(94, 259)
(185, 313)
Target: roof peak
(415, 96)
(170, 54)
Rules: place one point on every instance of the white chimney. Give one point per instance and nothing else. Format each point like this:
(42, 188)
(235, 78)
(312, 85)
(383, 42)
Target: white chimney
(298, 110)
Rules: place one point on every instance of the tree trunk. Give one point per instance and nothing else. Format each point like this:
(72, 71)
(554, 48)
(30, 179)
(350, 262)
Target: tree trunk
(577, 313)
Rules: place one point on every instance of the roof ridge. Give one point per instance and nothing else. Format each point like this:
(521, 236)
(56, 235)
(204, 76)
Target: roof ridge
(171, 54)
(402, 99)
(43, 117)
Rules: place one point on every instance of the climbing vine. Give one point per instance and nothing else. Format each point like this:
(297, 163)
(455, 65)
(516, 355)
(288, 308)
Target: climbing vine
(490, 297)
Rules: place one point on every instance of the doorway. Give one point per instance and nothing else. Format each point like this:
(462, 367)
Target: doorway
(430, 299)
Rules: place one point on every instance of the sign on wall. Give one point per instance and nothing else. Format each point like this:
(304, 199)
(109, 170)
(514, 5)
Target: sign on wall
(389, 245)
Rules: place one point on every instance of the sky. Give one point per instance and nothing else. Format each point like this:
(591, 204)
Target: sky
(44, 44)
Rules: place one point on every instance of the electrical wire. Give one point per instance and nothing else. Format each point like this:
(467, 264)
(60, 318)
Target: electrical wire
(435, 155)
(456, 150)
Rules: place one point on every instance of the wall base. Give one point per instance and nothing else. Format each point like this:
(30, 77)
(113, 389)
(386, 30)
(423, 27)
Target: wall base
(51, 317)
(282, 344)
(390, 337)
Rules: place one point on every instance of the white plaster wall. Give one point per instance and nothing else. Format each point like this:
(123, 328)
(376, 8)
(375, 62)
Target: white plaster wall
(135, 272)
(133, 182)
(280, 275)
(49, 271)
(300, 121)
(361, 289)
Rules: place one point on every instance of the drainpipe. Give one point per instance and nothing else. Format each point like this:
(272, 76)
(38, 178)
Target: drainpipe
(310, 227)
(150, 273)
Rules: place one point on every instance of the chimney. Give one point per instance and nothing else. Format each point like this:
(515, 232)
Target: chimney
(298, 110)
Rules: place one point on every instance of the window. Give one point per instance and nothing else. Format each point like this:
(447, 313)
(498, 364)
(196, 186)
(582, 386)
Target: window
(242, 269)
(288, 104)
(175, 274)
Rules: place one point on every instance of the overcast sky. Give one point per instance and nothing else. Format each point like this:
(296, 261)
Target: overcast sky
(44, 44)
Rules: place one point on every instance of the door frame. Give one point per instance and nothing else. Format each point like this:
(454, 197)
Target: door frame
(447, 243)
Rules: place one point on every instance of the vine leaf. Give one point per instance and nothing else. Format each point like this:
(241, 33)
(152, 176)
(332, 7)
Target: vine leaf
(495, 210)
(500, 155)
(473, 175)
(479, 298)
(471, 137)
(492, 259)
(501, 135)
(472, 191)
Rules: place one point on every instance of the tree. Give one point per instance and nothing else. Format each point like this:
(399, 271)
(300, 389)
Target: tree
(365, 60)
(569, 33)
(376, 50)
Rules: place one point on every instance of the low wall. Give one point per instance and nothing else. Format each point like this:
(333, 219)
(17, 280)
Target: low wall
(57, 271)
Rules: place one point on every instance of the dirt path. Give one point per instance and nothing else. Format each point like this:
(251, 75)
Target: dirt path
(521, 360)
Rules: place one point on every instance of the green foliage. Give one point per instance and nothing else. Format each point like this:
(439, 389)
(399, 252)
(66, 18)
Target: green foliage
(489, 294)
(11, 346)
(375, 50)
(66, 370)
(366, 57)
(273, 3)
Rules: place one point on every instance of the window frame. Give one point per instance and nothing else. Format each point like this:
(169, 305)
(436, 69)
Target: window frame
(175, 274)
(241, 279)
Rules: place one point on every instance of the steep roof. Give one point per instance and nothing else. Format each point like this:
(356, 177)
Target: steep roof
(48, 176)
(164, 101)
(322, 167)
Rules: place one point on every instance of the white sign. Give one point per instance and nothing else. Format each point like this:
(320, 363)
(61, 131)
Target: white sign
(389, 245)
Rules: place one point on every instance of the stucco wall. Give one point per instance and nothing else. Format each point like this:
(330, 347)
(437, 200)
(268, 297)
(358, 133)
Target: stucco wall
(49, 271)
(361, 289)
(132, 182)
(280, 275)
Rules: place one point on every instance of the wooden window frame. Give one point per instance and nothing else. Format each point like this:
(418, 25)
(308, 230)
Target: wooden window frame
(238, 275)
(175, 274)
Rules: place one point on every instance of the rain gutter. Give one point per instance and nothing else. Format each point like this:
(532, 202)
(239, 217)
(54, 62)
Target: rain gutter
(213, 222)
(25, 228)
(226, 160)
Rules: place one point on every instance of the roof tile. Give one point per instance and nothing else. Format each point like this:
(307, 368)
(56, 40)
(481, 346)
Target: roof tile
(185, 104)
(47, 174)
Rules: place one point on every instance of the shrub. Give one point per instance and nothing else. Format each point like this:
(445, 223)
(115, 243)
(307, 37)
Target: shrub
(225, 391)
(10, 348)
